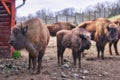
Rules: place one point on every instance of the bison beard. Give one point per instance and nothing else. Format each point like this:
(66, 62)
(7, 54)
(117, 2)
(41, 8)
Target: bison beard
(77, 39)
(34, 36)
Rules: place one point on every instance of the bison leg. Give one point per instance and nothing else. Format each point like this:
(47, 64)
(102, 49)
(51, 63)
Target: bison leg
(39, 62)
(83, 54)
(60, 52)
(74, 53)
(58, 56)
(110, 44)
(79, 56)
(34, 63)
(98, 50)
(102, 53)
(79, 61)
(115, 47)
(102, 47)
(29, 64)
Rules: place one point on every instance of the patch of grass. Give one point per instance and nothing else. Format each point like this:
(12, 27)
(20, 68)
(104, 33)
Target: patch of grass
(93, 45)
(16, 54)
(114, 17)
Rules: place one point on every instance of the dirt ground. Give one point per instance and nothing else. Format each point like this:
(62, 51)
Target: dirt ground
(92, 68)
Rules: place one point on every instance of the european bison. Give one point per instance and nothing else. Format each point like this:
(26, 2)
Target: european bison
(53, 28)
(32, 35)
(115, 42)
(102, 31)
(78, 39)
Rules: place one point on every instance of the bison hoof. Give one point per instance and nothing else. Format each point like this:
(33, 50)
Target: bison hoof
(33, 73)
(29, 68)
(38, 72)
(79, 66)
(117, 54)
(102, 58)
(110, 53)
(59, 64)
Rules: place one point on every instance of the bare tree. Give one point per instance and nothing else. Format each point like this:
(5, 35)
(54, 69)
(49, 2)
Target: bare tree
(68, 11)
(41, 13)
(30, 16)
(19, 19)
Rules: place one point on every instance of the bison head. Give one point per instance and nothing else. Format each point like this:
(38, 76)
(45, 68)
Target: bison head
(112, 32)
(86, 39)
(18, 37)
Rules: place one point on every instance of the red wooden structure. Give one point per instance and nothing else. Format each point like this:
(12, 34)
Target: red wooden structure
(7, 21)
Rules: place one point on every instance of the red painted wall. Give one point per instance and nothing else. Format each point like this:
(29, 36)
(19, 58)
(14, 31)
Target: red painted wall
(7, 22)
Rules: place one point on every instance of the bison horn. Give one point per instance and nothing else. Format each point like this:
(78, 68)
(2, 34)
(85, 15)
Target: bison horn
(24, 29)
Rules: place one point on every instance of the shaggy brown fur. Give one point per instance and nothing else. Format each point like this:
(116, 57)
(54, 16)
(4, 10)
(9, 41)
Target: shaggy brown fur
(102, 31)
(32, 35)
(53, 28)
(78, 39)
(117, 21)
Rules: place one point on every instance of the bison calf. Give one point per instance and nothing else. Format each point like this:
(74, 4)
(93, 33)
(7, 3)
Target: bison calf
(32, 35)
(54, 28)
(78, 39)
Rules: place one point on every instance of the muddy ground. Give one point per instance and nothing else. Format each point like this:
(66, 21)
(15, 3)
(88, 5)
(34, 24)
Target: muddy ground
(92, 68)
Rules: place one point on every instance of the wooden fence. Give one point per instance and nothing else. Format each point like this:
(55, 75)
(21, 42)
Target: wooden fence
(78, 17)
(81, 17)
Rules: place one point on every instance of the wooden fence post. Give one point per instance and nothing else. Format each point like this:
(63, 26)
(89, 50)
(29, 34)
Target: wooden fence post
(46, 19)
(66, 17)
(104, 12)
(82, 17)
(75, 18)
(56, 18)
(89, 15)
(94, 14)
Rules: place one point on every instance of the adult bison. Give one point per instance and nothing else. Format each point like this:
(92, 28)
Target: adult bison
(32, 35)
(117, 21)
(78, 39)
(53, 28)
(102, 31)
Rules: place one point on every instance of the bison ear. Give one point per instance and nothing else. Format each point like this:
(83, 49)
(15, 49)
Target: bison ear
(24, 29)
(118, 24)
